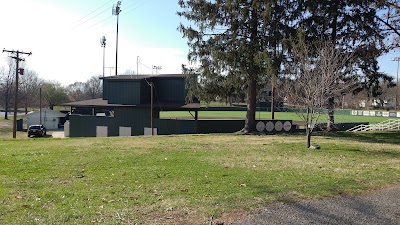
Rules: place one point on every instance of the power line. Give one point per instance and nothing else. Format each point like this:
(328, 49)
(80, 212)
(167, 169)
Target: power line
(108, 18)
(137, 7)
(101, 22)
(124, 13)
(92, 12)
(91, 18)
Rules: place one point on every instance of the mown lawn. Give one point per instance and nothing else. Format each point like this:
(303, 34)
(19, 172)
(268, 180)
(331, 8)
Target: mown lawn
(183, 179)
(267, 115)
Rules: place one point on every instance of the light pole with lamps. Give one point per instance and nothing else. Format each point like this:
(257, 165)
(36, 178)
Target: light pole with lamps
(116, 10)
(103, 44)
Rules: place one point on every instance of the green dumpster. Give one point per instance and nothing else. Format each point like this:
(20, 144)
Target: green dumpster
(20, 124)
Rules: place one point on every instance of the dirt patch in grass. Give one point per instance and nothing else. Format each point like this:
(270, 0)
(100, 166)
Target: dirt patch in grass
(6, 124)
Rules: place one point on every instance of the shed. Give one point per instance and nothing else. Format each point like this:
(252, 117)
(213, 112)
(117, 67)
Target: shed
(50, 118)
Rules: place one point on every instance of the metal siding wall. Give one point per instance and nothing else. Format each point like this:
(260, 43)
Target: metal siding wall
(170, 90)
(145, 92)
(105, 89)
(85, 126)
(82, 126)
(167, 126)
(123, 92)
(219, 126)
(137, 118)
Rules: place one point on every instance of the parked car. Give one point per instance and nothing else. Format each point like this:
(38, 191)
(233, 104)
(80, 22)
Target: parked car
(36, 130)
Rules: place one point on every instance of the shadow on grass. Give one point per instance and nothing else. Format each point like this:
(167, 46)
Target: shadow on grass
(380, 137)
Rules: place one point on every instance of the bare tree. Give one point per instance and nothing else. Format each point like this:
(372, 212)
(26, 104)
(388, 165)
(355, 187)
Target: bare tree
(76, 91)
(313, 76)
(29, 88)
(93, 88)
(7, 75)
(387, 93)
(129, 72)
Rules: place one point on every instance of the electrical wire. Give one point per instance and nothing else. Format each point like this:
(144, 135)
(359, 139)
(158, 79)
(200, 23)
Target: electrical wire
(145, 2)
(90, 18)
(92, 12)
(123, 14)
(101, 22)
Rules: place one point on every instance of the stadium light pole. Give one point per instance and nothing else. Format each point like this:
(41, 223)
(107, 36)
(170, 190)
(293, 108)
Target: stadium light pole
(103, 44)
(116, 10)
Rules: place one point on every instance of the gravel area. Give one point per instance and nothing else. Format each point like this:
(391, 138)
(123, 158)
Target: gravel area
(376, 207)
(57, 134)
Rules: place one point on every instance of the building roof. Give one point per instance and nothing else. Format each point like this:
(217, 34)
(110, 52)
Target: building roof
(46, 112)
(143, 76)
(93, 103)
(99, 102)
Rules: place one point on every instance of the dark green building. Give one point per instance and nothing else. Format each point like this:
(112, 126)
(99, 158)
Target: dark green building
(131, 105)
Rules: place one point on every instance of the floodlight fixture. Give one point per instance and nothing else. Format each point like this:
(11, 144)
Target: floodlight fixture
(103, 41)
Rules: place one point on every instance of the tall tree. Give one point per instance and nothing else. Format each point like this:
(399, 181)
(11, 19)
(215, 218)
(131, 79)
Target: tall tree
(54, 93)
(29, 88)
(349, 24)
(237, 44)
(389, 17)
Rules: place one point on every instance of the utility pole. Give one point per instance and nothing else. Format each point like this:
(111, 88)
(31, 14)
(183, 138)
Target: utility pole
(397, 81)
(116, 10)
(17, 72)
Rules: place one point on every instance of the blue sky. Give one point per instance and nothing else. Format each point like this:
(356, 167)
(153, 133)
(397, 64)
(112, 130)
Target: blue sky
(64, 37)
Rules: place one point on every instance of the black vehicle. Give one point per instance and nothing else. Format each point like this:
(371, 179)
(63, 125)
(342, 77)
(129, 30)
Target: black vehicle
(36, 130)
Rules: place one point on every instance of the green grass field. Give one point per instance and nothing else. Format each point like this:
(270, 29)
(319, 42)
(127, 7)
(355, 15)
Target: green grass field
(184, 179)
(267, 115)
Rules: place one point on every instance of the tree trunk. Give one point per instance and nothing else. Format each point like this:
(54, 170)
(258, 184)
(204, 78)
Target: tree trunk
(331, 112)
(250, 123)
(26, 106)
(308, 128)
(331, 100)
(273, 98)
(6, 110)
(308, 137)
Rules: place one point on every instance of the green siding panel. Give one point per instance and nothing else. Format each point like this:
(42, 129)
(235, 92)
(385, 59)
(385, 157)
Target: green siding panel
(170, 90)
(85, 126)
(123, 92)
(168, 126)
(219, 126)
(82, 126)
(105, 89)
(145, 92)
